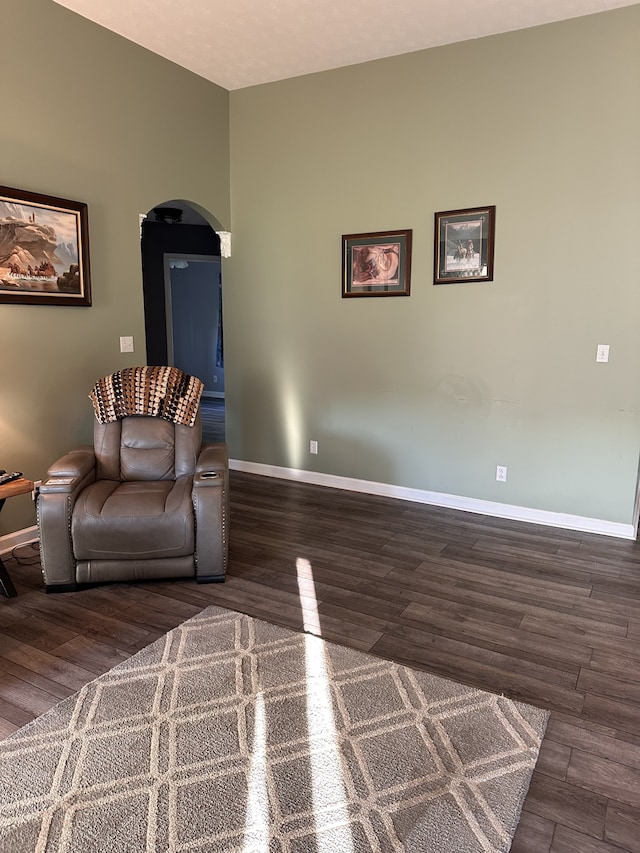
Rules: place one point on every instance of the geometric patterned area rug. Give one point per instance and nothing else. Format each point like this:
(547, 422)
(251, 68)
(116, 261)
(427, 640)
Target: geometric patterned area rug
(232, 734)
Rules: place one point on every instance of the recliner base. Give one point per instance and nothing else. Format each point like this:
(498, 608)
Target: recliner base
(61, 587)
(53, 588)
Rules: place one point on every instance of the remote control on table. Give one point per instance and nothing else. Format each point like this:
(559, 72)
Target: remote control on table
(8, 478)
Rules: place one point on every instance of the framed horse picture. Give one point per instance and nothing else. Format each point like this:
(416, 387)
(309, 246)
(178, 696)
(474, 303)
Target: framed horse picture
(44, 250)
(464, 245)
(376, 264)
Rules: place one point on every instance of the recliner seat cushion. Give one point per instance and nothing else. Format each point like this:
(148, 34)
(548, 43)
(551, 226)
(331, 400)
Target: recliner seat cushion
(114, 520)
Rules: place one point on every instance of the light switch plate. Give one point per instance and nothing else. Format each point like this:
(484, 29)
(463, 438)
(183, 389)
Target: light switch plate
(126, 344)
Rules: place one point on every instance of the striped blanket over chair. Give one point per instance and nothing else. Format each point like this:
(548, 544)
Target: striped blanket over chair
(162, 392)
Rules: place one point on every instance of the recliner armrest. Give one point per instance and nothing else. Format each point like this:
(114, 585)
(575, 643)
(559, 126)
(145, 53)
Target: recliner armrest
(213, 457)
(56, 498)
(211, 505)
(65, 474)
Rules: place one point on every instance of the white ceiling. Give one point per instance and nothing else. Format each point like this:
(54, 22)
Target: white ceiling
(238, 43)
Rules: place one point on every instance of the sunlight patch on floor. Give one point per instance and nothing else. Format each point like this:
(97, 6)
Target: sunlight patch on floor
(307, 593)
(256, 825)
(329, 796)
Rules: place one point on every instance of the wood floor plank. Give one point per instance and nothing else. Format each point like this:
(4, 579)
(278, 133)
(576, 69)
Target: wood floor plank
(327, 610)
(7, 728)
(578, 627)
(359, 601)
(533, 835)
(91, 655)
(496, 584)
(593, 606)
(568, 655)
(9, 616)
(623, 716)
(468, 670)
(574, 735)
(431, 608)
(611, 686)
(90, 621)
(574, 807)
(48, 634)
(24, 696)
(460, 635)
(45, 664)
(13, 716)
(622, 826)
(517, 565)
(611, 778)
(338, 628)
(567, 840)
(47, 684)
(553, 759)
(634, 629)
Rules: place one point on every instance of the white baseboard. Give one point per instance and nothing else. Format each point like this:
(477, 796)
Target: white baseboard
(368, 487)
(20, 537)
(498, 510)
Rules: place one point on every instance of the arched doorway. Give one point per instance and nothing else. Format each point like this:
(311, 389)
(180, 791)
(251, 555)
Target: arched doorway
(182, 286)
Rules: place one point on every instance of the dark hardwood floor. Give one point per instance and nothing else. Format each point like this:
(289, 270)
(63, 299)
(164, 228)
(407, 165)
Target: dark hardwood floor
(547, 616)
(212, 411)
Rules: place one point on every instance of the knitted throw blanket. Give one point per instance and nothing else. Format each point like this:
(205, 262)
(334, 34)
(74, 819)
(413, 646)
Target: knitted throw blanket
(161, 392)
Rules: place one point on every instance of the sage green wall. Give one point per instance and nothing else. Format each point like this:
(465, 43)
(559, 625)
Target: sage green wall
(89, 116)
(433, 391)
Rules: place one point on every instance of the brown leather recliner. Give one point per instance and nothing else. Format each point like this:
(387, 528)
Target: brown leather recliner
(148, 500)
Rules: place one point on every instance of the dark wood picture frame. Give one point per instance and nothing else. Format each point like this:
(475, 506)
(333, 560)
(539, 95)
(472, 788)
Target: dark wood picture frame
(44, 249)
(464, 245)
(377, 263)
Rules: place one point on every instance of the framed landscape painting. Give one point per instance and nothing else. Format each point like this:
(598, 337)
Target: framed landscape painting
(44, 250)
(464, 245)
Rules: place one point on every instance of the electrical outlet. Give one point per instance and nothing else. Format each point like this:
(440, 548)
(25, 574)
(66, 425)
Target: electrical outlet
(602, 353)
(501, 473)
(313, 446)
(126, 344)
(34, 491)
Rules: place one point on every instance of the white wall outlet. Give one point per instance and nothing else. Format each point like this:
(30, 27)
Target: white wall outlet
(602, 353)
(126, 344)
(313, 446)
(34, 491)
(501, 473)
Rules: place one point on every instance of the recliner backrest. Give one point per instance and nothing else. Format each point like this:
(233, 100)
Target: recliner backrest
(140, 448)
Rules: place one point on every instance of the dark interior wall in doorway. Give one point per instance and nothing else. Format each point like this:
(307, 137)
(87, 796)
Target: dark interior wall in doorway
(159, 238)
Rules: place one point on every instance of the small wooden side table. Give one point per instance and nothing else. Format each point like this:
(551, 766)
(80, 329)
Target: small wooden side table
(8, 490)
